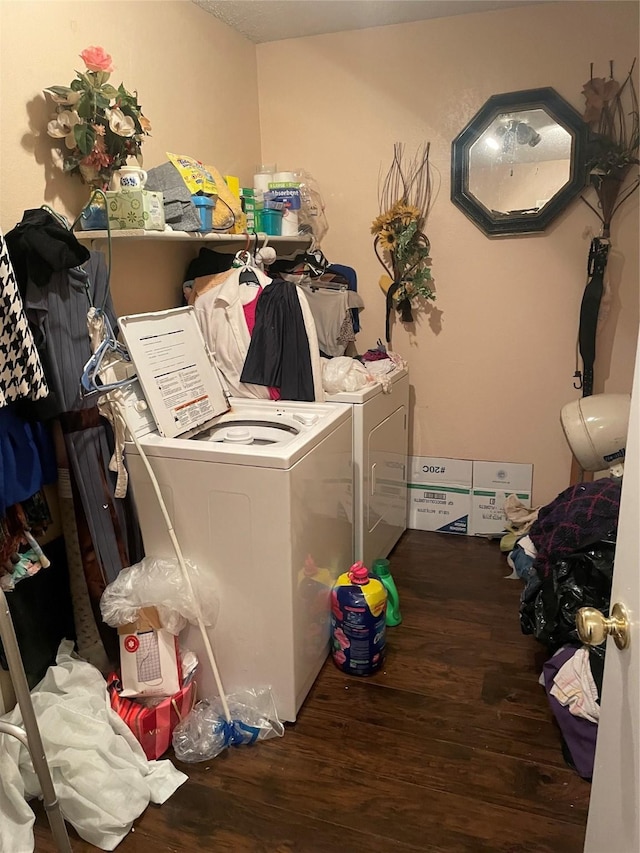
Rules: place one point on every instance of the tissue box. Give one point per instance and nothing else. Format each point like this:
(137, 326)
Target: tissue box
(149, 659)
(136, 209)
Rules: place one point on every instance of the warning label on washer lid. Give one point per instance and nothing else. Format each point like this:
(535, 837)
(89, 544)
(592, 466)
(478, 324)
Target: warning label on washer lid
(182, 388)
(177, 377)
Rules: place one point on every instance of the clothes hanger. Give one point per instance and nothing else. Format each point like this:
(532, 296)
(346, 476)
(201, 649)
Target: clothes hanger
(62, 220)
(265, 255)
(319, 284)
(90, 380)
(244, 259)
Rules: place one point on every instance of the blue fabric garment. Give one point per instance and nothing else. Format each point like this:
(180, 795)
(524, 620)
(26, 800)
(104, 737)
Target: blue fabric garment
(350, 274)
(27, 458)
(522, 563)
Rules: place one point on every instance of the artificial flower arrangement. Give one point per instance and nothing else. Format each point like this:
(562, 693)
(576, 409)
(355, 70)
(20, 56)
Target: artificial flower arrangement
(400, 243)
(98, 126)
(611, 111)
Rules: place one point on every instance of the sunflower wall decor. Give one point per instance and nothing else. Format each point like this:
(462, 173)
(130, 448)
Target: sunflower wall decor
(400, 243)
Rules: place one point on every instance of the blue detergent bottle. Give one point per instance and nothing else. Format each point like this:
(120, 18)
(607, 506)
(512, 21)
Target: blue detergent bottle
(358, 629)
(381, 571)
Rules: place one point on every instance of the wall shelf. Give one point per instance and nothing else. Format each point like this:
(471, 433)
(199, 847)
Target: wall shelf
(284, 246)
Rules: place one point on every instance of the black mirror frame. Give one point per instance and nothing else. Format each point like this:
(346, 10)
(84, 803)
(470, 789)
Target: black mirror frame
(550, 101)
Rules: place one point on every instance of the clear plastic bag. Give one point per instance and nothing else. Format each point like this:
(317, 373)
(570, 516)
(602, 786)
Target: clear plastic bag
(311, 217)
(344, 374)
(159, 583)
(205, 733)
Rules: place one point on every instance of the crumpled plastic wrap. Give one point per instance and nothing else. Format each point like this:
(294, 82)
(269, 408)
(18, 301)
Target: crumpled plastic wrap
(582, 579)
(159, 583)
(205, 733)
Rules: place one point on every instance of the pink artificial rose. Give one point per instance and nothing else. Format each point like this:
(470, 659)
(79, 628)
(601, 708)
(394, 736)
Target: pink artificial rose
(96, 59)
(339, 657)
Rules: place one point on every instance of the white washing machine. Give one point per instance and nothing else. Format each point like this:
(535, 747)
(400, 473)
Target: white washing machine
(260, 501)
(380, 445)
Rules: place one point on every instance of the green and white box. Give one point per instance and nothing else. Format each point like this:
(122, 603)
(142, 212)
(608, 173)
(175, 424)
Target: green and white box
(439, 494)
(135, 209)
(493, 482)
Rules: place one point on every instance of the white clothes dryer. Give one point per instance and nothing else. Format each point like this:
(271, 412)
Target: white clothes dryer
(261, 503)
(380, 445)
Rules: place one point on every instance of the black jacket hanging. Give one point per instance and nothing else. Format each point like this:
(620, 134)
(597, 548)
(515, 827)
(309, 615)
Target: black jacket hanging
(278, 354)
(39, 245)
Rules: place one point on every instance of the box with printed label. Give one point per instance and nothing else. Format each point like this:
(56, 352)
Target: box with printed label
(135, 209)
(435, 469)
(248, 201)
(439, 494)
(512, 476)
(493, 482)
(149, 659)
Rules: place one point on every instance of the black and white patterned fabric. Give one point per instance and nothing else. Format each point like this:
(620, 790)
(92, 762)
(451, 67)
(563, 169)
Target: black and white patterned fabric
(21, 373)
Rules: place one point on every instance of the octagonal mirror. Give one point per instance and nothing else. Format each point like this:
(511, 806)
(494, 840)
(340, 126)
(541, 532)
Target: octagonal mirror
(519, 162)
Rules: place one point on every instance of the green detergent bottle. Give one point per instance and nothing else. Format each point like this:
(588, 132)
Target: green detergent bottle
(381, 571)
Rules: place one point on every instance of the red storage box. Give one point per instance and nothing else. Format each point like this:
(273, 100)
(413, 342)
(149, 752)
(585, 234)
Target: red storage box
(152, 726)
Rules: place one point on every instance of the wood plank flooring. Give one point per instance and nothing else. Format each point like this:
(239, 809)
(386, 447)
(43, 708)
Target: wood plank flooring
(451, 748)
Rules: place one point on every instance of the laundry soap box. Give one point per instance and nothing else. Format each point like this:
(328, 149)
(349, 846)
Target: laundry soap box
(135, 208)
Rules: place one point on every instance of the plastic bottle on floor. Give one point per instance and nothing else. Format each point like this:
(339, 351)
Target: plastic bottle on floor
(358, 629)
(381, 571)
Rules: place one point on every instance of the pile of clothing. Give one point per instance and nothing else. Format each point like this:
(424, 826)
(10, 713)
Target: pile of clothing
(564, 553)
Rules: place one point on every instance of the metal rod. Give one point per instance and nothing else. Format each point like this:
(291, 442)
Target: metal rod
(30, 735)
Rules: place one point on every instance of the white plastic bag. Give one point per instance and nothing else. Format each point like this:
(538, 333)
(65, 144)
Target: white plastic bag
(343, 374)
(159, 583)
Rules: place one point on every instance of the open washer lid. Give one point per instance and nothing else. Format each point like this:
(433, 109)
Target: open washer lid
(182, 386)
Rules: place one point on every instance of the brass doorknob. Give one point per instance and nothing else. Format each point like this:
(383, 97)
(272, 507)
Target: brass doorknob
(594, 627)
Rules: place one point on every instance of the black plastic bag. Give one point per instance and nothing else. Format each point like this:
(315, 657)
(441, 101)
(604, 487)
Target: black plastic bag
(582, 579)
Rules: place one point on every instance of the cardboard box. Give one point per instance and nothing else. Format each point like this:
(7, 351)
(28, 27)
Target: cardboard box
(149, 657)
(439, 494)
(492, 483)
(512, 476)
(248, 201)
(135, 209)
(432, 469)
(461, 496)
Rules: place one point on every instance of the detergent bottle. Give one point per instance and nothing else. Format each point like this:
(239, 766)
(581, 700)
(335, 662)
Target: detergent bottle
(358, 610)
(381, 571)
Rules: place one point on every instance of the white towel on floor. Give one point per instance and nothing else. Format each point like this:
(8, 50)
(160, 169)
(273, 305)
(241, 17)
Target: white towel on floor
(101, 775)
(574, 687)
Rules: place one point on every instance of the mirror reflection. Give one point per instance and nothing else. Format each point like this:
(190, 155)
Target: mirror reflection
(520, 161)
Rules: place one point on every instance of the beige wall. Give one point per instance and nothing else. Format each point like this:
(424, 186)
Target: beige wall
(491, 364)
(196, 80)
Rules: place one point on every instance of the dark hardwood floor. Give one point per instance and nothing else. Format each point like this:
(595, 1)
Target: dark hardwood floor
(451, 748)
